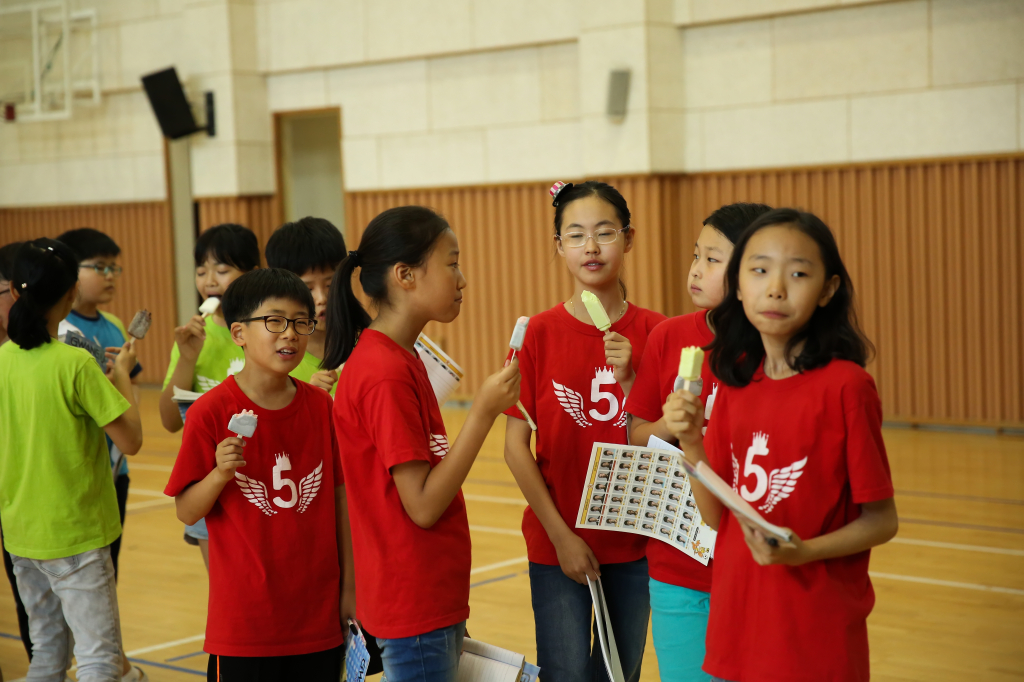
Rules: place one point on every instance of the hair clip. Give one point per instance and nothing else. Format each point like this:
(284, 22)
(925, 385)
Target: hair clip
(49, 248)
(557, 189)
(24, 285)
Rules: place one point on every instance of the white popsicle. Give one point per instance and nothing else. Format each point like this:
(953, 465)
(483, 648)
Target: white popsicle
(516, 344)
(209, 306)
(243, 424)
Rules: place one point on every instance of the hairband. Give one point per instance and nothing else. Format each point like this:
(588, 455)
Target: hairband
(355, 258)
(557, 189)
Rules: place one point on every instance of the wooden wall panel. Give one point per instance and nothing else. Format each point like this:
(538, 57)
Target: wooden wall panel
(934, 249)
(260, 213)
(143, 231)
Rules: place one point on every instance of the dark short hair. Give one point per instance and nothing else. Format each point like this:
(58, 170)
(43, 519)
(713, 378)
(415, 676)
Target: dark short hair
(230, 244)
(307, 244)
(87, 243)
(7, 260)
(732, 219)
(248, 292)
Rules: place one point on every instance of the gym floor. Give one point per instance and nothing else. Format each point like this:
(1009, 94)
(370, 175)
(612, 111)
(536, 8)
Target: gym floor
(949, 588)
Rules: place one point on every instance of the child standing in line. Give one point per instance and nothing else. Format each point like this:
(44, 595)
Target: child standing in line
(312, 248)
(98, 274)
(680, 586)
(797, 431)
(410, 539)
(271, 500)
(203, 354)
(575, 382)
(57, 496)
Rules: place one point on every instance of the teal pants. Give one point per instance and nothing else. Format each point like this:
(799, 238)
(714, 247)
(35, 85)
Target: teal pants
(679, 622)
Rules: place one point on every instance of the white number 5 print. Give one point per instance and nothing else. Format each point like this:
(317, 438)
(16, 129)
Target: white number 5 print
(604, 377)
(758, 447)
(284, 463)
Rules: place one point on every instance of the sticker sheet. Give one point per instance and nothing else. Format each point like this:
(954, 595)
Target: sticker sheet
(646, 492)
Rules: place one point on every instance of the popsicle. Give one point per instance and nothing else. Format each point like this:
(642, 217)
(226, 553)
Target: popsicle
(516, 344)
(243, 424)
(596, 310)
(691, 359)
(140, 325)
(209, 306)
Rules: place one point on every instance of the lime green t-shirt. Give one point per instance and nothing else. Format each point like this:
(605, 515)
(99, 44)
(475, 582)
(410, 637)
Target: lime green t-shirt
(219, 359)
(57, 496)
(307, 368)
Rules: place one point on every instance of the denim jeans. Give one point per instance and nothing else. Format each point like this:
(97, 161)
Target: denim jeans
(431, 657)
(71, 596)
(568, 648)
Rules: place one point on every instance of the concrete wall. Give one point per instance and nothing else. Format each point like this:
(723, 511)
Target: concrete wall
(456, 92)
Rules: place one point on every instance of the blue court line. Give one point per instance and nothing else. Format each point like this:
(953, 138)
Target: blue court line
(7, 636)
(179, 658)
(968, 526)
(157, 664)
(499, 578)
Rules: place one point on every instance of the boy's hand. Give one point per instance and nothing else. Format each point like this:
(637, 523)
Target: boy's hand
(325, 379)
(190, 338)
(124, 360)
(230, 456)
(683, 414)
(792, 553)
(499, 391)
(618, 352)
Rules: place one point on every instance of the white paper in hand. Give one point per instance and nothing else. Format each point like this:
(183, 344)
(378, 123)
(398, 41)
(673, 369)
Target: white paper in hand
(443, 372)
(603, 621)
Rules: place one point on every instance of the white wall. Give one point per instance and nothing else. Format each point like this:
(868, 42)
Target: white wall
(452, 92)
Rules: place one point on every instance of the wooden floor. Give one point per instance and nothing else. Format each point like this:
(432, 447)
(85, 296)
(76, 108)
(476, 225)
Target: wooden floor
(950, 587)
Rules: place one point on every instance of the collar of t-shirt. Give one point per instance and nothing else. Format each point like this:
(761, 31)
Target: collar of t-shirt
(588, 328)
(265, 414)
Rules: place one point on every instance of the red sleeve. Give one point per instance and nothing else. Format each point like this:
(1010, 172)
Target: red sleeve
(867, 464)
(399, 431)
(528, 384)
(645, 399)
(339, 475)
(197, 456)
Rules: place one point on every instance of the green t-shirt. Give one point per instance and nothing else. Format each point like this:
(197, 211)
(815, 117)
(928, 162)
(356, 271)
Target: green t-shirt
(219, 359)
(309, 366)
(57, 496)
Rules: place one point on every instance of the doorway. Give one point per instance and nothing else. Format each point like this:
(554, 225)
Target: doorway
(309, 165)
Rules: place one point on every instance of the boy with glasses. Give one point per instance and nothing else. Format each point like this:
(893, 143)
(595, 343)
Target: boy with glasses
(271, 492)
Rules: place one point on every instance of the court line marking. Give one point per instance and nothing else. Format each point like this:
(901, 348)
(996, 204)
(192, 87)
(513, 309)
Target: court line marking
(954, 545)
(497, 531)
(184, 656)
(947, 583)
(499, 564)
(143, 466)
(965, 498)
(167, 666)
(498, 579)
(967, 526)
(146, 493)
(496, 500)
(166, 645)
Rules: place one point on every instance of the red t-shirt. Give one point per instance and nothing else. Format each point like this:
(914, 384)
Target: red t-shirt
(573, 397)
(275, 577)
(409, 580)
(653, 385)
(805, 452)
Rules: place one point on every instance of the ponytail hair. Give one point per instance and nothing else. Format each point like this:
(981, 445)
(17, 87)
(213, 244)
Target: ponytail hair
(44, 271)
(406, 235)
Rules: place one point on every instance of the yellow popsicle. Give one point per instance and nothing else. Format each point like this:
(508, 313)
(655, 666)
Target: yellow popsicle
(596, 310)
(690, 361)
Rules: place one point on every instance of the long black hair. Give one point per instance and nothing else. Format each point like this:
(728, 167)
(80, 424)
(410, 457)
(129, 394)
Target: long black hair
(406, 235)
(593, 188)
(730, 221)
(44, 271)
(831, 333)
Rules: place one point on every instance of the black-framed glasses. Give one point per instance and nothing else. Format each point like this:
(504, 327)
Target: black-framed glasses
(105, 270)
(276, 324)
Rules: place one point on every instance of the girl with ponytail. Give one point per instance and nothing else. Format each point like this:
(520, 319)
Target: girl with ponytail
(57, 497)
(409, 534)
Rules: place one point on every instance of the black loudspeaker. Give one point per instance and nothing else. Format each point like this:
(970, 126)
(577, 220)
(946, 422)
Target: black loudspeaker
(171, 107)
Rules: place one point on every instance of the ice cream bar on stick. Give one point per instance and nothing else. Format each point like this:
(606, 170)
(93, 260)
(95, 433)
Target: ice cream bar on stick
(140, 325)
(596, 310)
(243, 424)
(690, 361)
(516, 344)
(209, 306)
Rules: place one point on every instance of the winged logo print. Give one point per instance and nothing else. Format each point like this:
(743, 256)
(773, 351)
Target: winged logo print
(255, 492)
(781, 483)
(438, 445)
(621, 421)
(206, 383)
(735, 472)
(572, 403)
(309, 486)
